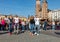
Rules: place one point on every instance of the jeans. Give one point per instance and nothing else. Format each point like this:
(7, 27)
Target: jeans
(32, 28)
(3, 27)
(16, 27)
(37, 28)
(45, 27)
(23, 27)
(0, 26)
(53, 27)
(10, 27)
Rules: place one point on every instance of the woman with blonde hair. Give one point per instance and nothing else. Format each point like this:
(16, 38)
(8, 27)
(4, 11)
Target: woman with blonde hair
(31, 25)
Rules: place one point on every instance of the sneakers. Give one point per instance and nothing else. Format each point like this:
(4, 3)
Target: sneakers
(36, 33)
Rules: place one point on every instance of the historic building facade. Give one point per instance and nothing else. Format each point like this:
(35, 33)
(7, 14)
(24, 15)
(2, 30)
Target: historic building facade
(20, 17)
(42, 11)
(54, 15)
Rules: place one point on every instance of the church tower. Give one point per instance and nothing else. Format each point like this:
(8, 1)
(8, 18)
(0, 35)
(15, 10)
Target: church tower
(38, 8)
(44, 9)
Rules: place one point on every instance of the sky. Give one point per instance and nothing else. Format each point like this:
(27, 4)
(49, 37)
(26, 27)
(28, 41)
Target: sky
(24, 7)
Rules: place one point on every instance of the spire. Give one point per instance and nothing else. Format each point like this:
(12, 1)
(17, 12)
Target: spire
(44, 9)
(44, 1)
(38, 0)
(38, 6)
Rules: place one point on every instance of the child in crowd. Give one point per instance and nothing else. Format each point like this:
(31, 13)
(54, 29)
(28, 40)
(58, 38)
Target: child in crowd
(23, 25)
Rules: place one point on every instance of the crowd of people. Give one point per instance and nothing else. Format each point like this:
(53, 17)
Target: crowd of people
(15, 24)
(12, 24)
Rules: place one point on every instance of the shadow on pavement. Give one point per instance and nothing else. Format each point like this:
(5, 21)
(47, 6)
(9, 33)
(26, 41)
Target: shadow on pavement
(3, 33)
(58, 33)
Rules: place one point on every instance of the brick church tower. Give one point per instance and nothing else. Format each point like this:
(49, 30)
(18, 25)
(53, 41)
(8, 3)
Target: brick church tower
(44, 9)
(38, 8)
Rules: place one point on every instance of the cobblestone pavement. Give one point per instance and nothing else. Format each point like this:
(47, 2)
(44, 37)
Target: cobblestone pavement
(45, 36)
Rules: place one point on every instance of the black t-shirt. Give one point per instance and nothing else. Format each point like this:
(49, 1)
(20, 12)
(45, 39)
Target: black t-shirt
(11, 20)
(32, 21)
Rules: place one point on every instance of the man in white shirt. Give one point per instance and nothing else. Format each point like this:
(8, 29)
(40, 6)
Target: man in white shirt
(7, 22)
(16, 26)
(37, 25)
(16, 20)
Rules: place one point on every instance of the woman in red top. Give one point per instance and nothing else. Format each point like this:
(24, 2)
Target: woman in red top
(2, 23)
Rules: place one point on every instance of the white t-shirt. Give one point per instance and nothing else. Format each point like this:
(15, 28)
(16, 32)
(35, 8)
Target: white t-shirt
(16, 20)
(7, 20)
(37, 22)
